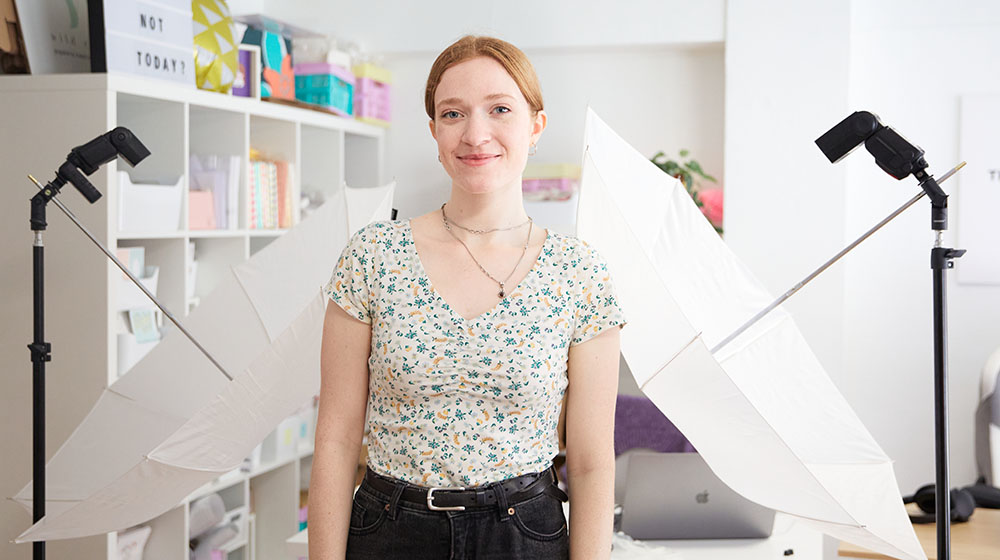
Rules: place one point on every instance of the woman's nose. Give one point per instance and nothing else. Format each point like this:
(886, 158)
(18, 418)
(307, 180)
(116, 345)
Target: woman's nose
(477, 131)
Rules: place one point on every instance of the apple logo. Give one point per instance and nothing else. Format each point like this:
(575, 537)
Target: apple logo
(702, 497)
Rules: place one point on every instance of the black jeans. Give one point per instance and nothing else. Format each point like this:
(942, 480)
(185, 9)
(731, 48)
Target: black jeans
(386, 529)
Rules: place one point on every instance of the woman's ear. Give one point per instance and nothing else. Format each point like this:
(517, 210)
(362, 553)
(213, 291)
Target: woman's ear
(538, 126)
(430, 123)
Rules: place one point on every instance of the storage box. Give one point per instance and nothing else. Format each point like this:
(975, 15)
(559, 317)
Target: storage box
(550, 181)
(548, 189)
(201, 210)
(149, 207)
(372, 94)
(325, 84)
(277, 75)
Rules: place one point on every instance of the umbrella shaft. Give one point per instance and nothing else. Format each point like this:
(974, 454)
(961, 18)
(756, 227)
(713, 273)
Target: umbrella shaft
(828, 264)
(140, 285)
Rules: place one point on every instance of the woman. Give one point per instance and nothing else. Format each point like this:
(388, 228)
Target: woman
(458, 332)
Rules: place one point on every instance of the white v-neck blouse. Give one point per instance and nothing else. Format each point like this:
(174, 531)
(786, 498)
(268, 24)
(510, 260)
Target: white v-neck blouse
(464, 402)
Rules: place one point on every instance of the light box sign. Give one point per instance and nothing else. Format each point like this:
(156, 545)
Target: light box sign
(979, 191)
(152, 38)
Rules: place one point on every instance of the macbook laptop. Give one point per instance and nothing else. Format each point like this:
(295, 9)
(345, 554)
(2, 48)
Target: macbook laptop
(676, 496)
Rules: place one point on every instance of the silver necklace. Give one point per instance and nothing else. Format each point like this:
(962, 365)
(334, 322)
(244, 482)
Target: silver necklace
(447, 226)
(482, 231)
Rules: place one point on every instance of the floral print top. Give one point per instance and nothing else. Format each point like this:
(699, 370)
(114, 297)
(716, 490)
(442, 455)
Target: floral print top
(457, 402)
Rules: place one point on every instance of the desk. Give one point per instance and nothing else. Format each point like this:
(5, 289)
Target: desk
(977, 539)
(805, 541)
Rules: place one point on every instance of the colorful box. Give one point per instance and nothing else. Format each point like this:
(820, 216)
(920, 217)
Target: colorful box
(325, 84)
(372, 96)
(276, 69)
(551, 181)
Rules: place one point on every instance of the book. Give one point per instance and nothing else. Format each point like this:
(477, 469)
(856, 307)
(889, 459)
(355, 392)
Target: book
(253, 208)
(284, 194)
(272, 196)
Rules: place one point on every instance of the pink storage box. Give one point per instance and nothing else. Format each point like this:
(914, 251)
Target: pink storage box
(548, 189)
(372, 99)
(201, 210)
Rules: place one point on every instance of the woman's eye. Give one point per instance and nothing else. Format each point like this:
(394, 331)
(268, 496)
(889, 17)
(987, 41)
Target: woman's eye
(502, 109)
(450, 114)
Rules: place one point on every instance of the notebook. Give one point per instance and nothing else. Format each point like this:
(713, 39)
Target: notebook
(677, 496)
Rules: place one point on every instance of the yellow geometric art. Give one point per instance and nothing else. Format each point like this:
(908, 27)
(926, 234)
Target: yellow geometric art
(215, 47)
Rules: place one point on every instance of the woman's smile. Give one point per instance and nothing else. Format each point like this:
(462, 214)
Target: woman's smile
(478, 160)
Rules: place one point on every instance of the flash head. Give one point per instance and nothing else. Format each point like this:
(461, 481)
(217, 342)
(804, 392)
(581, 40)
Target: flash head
(105, 148)
(893, 153)
(848, 135)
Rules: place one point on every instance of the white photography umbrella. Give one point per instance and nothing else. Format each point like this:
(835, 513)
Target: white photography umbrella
(174, 422)
(760, 409)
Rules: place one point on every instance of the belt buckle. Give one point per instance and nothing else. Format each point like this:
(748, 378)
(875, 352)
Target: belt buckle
(430, 499)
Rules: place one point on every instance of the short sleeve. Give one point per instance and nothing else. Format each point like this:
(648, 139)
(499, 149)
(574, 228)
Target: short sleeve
(350, 287)
(597, 307)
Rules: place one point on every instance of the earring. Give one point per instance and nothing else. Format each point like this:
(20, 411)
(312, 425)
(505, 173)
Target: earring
(439, 158)
(532, 151)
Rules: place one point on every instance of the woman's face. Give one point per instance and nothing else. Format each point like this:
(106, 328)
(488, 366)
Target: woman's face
(483, 126)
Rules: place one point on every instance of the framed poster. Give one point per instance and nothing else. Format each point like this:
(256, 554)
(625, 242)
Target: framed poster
(55, 34)
(152, 38)
(979, 190)
(247, 82)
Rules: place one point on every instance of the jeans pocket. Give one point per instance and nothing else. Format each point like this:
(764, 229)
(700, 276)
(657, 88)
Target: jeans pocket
(540, 518)
(367, 514)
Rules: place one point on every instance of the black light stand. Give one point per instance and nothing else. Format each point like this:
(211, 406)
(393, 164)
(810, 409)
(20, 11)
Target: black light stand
(81, 160)
(899, 158)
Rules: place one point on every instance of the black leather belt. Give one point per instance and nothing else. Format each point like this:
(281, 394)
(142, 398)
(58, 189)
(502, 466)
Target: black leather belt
(515, 490)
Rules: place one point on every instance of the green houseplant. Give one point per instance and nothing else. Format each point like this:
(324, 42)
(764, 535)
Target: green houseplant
(689, 172)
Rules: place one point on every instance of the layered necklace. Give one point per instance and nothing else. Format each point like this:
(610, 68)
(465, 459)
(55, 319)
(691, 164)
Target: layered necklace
(448, 225)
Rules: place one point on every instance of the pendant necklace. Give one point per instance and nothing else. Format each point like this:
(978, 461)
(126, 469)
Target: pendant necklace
(448, 225)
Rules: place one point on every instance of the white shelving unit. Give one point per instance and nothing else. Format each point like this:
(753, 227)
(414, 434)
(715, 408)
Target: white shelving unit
(43, 117)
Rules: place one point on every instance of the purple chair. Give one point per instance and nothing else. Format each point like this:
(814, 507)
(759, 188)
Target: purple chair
(639, 424)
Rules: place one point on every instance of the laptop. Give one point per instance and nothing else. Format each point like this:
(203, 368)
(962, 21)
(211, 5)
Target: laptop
(677, 496)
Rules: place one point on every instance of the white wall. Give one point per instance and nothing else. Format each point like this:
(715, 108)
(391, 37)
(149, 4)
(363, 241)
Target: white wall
(951, 49)
(394, 26)
(786, 83)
